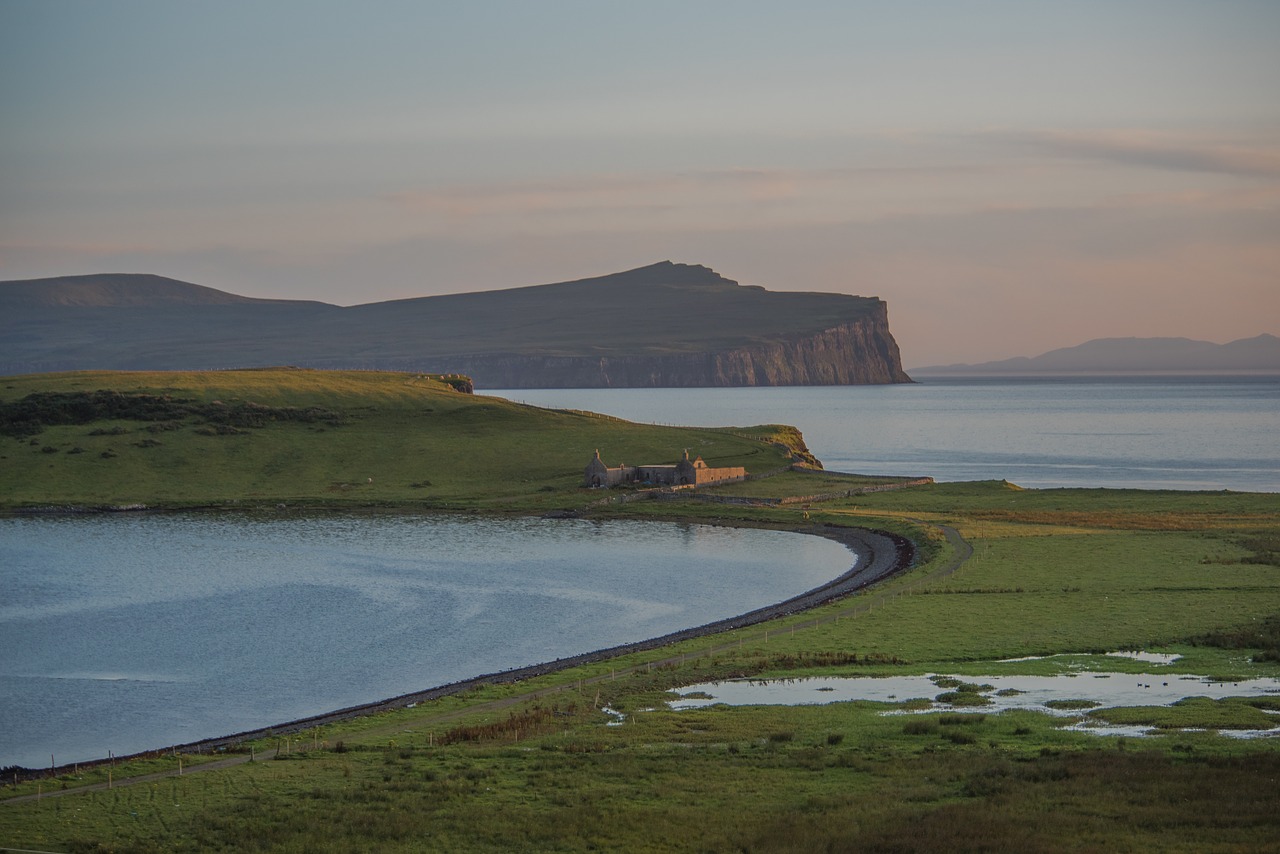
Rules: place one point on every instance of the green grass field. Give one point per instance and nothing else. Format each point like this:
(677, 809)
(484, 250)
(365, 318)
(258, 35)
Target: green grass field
(537, 765)
(394, 439)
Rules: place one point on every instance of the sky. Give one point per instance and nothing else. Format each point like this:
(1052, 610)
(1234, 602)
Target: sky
(1010, 176)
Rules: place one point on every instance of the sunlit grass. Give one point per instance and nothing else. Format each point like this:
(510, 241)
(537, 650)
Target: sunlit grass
(798, 483)
(402, 439)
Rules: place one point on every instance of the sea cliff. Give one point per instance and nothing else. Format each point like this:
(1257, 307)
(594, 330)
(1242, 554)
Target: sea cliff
(861, 352)
(657, 326)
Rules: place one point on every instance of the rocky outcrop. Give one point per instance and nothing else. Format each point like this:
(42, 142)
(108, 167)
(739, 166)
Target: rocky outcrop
(860, 352)
(855, 353)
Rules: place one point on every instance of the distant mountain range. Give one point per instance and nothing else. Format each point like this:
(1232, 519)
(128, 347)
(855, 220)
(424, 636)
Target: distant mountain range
(1134, 355)
(661, 325)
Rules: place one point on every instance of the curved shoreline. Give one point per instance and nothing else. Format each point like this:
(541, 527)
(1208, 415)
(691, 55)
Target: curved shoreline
(880, 554)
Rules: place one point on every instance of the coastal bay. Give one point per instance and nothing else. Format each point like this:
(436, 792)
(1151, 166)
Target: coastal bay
(127, 633)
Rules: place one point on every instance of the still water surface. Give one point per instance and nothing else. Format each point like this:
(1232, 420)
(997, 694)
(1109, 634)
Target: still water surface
(126, 633)
(1149, 432)
(1102, 690)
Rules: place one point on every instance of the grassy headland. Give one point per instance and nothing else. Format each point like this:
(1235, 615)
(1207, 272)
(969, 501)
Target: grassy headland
(644, 327)
(535, 766)
(318, 438)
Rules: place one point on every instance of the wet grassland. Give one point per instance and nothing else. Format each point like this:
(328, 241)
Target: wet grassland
(595, 757)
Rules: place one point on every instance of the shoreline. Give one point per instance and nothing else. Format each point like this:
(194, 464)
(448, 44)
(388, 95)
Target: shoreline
(879, 555)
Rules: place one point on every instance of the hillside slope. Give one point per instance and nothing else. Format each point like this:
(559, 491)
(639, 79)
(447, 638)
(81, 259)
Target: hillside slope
(662, 325)
(327, 437)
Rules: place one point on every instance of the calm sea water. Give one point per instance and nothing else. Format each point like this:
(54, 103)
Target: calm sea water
(124, 633)
(1153, 433)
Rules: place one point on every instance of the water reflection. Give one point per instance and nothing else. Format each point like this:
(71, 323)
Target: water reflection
(122, 633)
(1066, 695)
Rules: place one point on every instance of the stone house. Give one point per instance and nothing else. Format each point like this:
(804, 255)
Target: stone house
(684, 473)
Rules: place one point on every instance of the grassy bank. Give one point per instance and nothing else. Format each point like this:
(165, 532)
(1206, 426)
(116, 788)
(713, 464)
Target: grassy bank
(537, 766)
(321, 438)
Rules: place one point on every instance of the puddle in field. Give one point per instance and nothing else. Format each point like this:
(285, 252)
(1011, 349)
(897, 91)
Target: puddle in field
(1136, 655)
(1052, 695)
(1148, 657)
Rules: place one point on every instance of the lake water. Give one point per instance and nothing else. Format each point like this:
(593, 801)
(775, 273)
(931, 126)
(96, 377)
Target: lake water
(1149, 432)
(126, 632)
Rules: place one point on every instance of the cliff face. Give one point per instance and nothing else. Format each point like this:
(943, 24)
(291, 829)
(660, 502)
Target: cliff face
(856, 353)
(665, 325)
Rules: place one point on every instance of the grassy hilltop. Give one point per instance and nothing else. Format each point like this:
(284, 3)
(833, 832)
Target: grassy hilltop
(317, 437)
(1003, 574)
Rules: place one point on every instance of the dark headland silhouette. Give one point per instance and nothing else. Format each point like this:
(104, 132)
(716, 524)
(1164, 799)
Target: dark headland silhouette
(664, 325)
(1260, 354)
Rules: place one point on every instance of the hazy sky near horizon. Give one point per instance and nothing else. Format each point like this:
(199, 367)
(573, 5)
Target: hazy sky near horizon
(1010, 176)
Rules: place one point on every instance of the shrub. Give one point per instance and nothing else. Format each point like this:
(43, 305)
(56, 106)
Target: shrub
(1264, 637)
(220, 430)
(1071, 705)
(963, 698)
(33, 413)
(920, 726)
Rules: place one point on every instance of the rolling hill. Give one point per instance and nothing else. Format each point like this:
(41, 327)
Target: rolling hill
(1260, 354)
(661, 325)
(337, 438)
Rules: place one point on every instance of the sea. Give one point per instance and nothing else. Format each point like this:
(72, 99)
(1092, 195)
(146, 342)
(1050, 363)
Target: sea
(128, 632)
(1147, 432)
